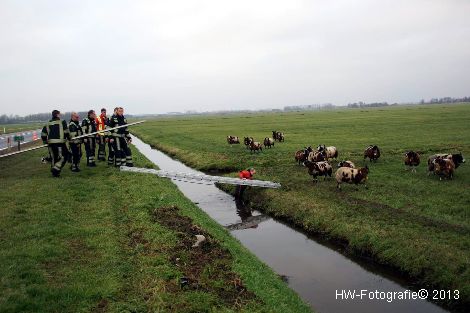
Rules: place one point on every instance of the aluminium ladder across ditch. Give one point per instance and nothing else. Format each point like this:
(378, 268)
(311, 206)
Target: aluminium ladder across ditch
(202, 178)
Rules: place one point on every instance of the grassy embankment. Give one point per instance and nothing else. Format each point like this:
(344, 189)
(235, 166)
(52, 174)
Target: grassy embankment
(102, 240)
(412, 222)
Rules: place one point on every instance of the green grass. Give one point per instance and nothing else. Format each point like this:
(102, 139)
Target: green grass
(412, 222)
(11, 128)
(91, 242)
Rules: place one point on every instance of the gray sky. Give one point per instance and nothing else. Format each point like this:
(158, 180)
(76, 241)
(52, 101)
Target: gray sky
(161, 56)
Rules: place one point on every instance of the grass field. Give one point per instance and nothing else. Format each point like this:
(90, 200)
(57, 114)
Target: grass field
(11, 128)
(410, 221)
(105, 241)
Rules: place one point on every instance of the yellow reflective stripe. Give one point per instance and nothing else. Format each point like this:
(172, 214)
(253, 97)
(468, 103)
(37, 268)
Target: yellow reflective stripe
(54, 122)
(61, 131)
(56, 140)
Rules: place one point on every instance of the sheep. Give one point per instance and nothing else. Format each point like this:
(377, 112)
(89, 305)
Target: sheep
(255, 146)
(351, 176)
(457, 158)
(247, 141)
(233, 140)
(344, 163)
(372, 152)
(299, 156)
(329, 152)
(444, 168)
(316, 156)
(322, 168)
(268, 142)
(411, 160)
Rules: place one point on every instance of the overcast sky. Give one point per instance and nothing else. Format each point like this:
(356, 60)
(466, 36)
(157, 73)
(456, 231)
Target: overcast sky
(162, 56)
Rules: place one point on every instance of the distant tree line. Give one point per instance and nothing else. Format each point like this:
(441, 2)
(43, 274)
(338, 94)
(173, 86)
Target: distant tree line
(310, 107)
(445, 100)
(34, 118)
(361, 104)
(39, 117)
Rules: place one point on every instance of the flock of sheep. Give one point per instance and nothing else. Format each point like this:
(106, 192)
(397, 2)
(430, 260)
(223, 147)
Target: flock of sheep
(318, 164)
(318, 161)
(257, 146)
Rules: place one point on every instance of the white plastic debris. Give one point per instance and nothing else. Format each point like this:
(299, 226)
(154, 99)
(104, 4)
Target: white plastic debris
(199, 239)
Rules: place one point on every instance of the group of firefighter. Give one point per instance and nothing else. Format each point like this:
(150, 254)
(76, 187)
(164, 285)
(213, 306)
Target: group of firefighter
(57, 132)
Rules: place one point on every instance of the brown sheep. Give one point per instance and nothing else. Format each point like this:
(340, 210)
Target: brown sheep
(457, 158)
(444, 168)
(233, 140)
(255, 146)
(247, 141)
(279, 136)
(372, 152)
(412, 159)
(299, 156)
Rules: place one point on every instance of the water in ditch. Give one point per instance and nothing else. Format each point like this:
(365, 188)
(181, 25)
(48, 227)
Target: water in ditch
(316, 270)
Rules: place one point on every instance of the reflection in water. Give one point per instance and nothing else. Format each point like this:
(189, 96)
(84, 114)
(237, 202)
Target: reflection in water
(248, 219)
(242, 210)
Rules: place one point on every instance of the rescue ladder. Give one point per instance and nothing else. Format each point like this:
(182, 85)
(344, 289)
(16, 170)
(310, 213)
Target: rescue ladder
(202, 178)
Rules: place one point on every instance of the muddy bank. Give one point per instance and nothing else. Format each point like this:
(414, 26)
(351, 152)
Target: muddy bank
(206, 268)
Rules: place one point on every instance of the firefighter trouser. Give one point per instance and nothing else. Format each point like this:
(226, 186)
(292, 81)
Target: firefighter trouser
(122, 152)
(90, 147)
(59, 156)
(240, 191)
(101, 148)
(76, 155)
(110, 153)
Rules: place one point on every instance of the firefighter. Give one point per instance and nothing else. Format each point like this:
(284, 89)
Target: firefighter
(246, 174)
(75, 144)
(121, 138)
(54, 134)
(88, 127)
(101, 122)
(108, 139)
